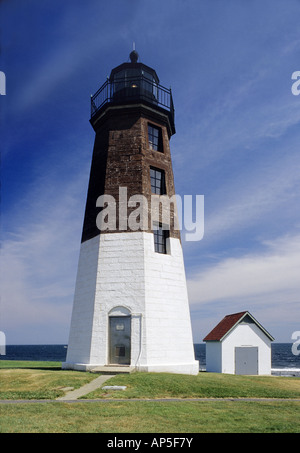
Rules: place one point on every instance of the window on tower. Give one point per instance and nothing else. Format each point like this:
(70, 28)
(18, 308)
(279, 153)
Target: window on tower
(160, 238)
(155, 138)
(158, 182)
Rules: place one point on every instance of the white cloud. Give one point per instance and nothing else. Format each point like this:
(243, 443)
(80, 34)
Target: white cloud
(266, 283)
(265, 196)
(39, 259)
(275, 271)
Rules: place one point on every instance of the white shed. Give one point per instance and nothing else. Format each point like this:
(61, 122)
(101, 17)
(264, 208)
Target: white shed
(239, 345)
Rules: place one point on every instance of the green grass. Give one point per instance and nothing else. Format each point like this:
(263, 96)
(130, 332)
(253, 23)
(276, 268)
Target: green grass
(29, 364)
(38, 380)
(204, 385)
(42, 380)
(45, 380)
(151, 417)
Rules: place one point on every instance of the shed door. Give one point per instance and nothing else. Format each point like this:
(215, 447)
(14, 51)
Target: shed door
(246, 360)
(120, 339)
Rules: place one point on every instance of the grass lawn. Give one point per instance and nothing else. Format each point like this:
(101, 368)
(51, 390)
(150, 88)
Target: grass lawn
(204, 385)
(151, 417)
(45, 380)
(29, 364)
(38, 380)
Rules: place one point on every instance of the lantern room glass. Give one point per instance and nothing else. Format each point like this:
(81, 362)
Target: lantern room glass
(134, 82)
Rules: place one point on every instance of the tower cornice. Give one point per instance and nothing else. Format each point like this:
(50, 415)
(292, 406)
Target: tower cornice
(131, 108)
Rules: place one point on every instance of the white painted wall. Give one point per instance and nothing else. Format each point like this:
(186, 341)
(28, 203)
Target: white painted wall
(79, 345)
(220, 356)
(123, 270)
(246, 335)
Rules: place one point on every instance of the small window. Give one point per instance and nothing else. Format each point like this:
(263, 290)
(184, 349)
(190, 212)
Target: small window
(160, 239)
(155, 138)
(158, 183)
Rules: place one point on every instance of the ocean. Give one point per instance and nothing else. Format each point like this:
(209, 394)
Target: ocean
(284, 362)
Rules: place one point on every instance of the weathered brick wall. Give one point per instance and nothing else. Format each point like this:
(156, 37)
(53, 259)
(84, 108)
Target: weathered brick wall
(122, 158)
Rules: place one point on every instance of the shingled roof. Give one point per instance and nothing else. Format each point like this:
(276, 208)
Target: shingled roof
(228, 323)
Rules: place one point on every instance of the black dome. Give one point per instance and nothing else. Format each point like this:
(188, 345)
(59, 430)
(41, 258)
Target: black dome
(134, 56)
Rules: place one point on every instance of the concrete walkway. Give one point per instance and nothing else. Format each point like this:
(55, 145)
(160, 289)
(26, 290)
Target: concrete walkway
(85, 389)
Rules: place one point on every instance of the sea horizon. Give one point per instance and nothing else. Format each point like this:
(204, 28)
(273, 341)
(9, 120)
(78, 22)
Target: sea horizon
(284, 362)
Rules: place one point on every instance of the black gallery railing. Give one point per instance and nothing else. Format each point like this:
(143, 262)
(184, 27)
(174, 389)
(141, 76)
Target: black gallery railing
(132, 89)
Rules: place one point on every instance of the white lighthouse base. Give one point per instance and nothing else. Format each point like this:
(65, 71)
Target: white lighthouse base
(178, 368)
(120, 275)
(187, 368)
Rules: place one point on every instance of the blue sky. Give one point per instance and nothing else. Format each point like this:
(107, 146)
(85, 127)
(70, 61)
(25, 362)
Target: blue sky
(237, 143)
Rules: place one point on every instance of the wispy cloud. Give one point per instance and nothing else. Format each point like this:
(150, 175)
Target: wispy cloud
(39, 258)
(264, 196)
(253, 104)
(70, 47)
(59, 65)
(274, 270)
(266, 283)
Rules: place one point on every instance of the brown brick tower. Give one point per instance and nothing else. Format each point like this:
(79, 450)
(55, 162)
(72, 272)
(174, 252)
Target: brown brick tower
(133, 127)
(131, 305)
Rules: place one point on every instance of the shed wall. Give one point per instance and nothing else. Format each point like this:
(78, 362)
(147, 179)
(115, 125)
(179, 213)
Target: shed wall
(244, 335)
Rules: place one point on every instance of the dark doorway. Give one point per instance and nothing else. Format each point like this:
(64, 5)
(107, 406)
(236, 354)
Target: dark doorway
(119, 340)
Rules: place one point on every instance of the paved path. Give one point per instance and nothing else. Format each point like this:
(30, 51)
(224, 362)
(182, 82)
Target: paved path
(85, 389)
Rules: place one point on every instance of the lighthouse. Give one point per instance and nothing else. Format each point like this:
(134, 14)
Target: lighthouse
(130, 306)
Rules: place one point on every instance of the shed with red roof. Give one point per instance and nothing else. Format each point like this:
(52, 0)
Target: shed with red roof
(239, 344)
